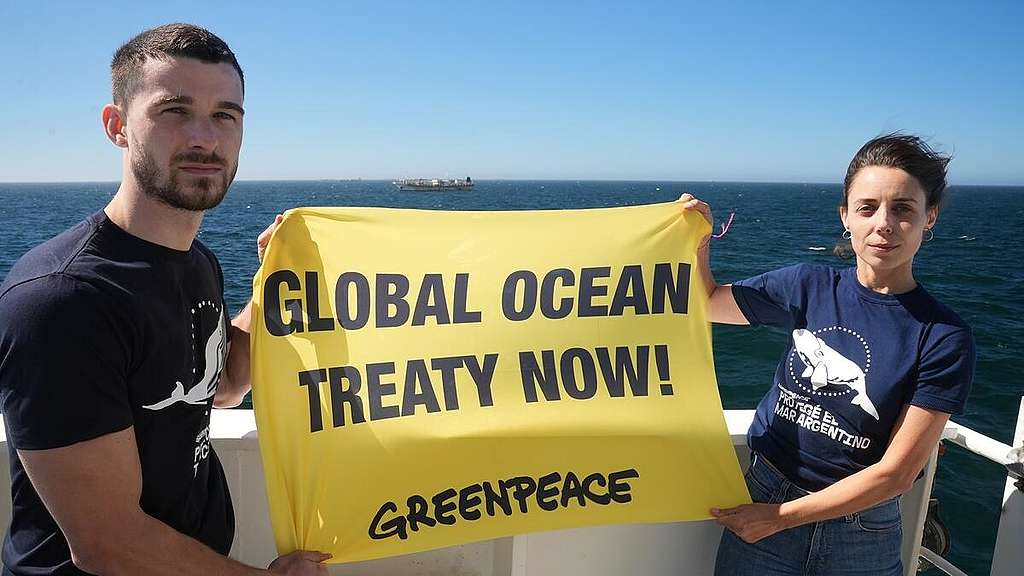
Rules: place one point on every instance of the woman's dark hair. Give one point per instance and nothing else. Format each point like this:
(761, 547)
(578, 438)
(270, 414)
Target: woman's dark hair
(908, 153)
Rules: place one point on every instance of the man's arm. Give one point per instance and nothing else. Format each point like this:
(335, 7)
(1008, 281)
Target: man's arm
(235, 382)
(234, 379)
(92, 489)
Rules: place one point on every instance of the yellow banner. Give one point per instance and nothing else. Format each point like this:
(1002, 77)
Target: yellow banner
(426, 378)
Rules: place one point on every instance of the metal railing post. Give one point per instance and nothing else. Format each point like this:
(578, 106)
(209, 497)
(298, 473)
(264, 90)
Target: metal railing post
(1008, 557)
(914, 505)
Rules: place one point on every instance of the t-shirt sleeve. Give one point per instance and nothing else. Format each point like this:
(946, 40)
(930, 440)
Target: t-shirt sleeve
(946, 372)
(772, 298)
(64, 364)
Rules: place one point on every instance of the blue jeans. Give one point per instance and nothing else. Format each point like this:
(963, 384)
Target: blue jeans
(866, 543)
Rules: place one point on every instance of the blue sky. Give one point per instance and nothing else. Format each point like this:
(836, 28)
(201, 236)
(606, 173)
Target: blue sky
(762, 91)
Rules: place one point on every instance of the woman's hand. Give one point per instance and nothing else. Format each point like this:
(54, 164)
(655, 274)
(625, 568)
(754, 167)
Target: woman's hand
(751, 522)
(692, 203)
(722, 306)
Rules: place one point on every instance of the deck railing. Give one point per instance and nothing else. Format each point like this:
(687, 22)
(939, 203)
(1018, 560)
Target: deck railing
(636, 550)
(1008, 553)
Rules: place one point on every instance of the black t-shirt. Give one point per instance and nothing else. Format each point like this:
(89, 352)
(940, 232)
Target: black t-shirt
(99, 331)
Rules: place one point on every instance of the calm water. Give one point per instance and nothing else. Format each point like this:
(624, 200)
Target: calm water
(974, 265)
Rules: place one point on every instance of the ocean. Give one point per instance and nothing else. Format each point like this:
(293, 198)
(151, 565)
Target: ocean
(974, 265)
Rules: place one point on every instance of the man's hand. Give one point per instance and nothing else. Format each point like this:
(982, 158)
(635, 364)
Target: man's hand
(264, 238)
(300, 562)
(751, 522)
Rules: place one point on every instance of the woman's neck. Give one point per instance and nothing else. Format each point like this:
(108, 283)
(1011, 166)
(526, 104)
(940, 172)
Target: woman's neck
(897, 281)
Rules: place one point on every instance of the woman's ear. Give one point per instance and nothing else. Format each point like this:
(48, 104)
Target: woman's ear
(932, 216)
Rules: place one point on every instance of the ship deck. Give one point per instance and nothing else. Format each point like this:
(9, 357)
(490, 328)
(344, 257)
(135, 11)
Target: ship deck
(634, 549)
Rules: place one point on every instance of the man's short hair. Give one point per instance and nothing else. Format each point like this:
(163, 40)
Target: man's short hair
(181, 40)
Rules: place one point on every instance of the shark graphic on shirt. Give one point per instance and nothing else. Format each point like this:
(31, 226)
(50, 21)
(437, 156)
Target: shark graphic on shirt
(201, 392)
(826, 366)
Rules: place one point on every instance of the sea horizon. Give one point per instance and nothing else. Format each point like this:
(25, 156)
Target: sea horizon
(972, 266)
(477, 180)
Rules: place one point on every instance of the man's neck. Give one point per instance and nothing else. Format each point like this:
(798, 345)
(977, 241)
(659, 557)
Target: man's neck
(152, 220)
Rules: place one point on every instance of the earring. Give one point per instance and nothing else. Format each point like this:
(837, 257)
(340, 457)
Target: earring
(930, 235)
(847, 234)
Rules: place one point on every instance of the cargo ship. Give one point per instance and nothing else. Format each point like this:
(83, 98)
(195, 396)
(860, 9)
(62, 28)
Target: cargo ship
(434, 184)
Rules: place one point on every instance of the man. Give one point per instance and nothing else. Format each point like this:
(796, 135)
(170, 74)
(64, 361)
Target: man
(115, 345)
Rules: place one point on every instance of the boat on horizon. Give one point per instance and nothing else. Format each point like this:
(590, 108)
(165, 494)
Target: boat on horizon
(434, 184)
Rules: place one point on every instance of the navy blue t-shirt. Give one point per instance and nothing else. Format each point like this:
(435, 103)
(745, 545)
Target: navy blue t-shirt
(101, 331)
(855, 358)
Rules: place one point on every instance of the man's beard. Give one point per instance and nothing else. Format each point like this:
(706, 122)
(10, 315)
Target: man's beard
(206, 193)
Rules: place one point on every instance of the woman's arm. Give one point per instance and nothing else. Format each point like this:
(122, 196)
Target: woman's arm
(722, 306)
(914, 439)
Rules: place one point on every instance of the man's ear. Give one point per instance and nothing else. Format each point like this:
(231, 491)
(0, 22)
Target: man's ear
(114, 124)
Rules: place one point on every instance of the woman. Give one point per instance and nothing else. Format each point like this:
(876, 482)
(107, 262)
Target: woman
(874, 368)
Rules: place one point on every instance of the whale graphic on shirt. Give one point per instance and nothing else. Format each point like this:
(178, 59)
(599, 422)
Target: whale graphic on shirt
(201, 392)
(826, 366)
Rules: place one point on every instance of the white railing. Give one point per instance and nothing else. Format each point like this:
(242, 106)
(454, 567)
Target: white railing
(637, 549)
(1008, 554)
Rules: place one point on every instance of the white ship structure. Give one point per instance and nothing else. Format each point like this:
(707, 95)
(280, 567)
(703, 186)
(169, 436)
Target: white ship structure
(670, 549)
(434, 184)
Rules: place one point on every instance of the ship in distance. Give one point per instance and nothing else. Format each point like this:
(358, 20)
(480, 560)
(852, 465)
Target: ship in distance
(434, 184)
